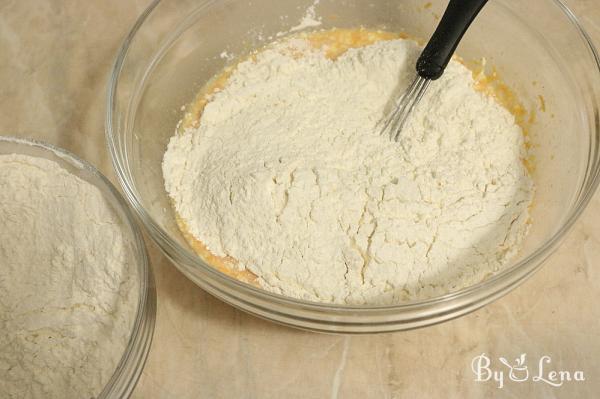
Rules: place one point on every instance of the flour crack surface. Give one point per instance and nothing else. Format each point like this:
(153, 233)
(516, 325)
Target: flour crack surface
(287, 174)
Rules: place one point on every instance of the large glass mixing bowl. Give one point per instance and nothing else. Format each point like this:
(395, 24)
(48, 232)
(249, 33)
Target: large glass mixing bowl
(537, 47)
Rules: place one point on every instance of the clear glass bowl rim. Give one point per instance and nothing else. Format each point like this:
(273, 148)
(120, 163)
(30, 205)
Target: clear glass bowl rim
(490, 286)
(133, 359)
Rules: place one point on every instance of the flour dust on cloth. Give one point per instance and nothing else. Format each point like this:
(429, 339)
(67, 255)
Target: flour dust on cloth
(287, 173)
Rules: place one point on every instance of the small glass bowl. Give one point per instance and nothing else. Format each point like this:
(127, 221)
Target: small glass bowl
(129, 368)
(537, 47)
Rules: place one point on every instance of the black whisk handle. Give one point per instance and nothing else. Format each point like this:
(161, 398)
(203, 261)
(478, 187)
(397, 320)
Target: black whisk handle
(454, 23)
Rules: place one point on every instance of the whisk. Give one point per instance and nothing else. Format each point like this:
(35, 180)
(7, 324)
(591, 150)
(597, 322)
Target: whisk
(433, 60)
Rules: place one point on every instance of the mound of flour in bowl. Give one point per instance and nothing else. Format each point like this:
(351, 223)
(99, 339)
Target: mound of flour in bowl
(287, 174)
(68, 291)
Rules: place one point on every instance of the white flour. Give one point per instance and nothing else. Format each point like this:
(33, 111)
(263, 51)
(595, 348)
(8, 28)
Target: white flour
(309, 19)
(67, 294)
(287, 174)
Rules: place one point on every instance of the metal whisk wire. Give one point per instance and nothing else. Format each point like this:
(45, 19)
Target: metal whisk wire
(433, 60)
(397, 118)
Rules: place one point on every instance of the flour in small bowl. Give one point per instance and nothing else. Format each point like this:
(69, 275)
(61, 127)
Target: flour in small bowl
(68, 286)
(287, 177)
